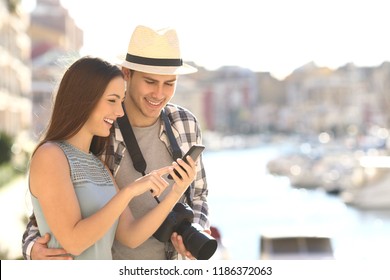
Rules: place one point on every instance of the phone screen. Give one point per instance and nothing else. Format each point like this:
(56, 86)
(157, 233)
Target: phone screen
(194, 152)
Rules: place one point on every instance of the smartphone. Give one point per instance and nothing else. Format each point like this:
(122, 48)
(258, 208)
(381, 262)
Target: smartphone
(194, 152)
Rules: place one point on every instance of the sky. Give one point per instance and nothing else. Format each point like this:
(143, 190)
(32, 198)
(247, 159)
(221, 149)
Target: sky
(275, 36)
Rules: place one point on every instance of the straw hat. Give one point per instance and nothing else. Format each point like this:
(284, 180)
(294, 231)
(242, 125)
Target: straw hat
(156, 52)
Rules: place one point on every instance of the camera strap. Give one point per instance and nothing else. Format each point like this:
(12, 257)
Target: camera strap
(135, 153)
(176, 151)
(128, 135)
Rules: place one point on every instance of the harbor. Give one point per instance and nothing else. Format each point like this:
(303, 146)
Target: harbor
(247, 202)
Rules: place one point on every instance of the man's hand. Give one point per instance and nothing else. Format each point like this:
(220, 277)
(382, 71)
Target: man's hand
(177, 242)
(39, 251)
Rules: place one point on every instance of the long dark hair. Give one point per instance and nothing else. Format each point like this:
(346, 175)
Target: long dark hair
(80, 89)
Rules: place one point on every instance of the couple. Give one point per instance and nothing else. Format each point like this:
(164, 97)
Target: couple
(80, 209)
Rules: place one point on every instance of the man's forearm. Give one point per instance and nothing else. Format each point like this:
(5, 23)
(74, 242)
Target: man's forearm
(28, 240)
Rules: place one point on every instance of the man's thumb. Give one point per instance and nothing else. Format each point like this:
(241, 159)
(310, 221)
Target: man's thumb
(44, 239)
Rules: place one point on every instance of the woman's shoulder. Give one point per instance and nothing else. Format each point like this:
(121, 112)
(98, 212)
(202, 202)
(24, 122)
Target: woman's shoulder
(50, 153)
(49, 147)
(48, 164)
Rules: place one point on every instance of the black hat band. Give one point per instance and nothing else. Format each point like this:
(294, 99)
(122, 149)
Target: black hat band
(154, 61)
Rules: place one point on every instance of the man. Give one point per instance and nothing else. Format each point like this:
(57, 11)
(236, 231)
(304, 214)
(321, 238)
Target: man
(151, 68)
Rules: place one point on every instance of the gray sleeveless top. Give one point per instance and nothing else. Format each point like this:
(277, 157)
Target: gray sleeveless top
(94, 188)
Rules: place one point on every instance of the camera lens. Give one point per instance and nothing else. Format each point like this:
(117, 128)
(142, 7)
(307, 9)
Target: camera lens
(201, 245)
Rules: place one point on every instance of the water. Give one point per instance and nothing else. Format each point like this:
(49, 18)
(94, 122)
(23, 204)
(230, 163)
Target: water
(246, 201)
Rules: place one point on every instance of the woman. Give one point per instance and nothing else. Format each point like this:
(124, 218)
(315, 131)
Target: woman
(74, 196)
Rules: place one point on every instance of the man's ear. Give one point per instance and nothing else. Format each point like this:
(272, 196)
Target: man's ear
(126, 73)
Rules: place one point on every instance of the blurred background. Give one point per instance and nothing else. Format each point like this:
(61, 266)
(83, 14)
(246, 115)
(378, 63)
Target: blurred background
(292, 97)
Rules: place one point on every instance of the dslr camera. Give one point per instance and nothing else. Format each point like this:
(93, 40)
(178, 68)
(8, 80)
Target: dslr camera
(201, 245)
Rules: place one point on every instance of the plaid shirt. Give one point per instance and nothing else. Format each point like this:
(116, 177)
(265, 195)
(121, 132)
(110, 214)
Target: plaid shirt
(187, 131)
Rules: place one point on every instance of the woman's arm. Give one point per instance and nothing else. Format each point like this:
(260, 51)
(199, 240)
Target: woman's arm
(133, 232)
(52, 185)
